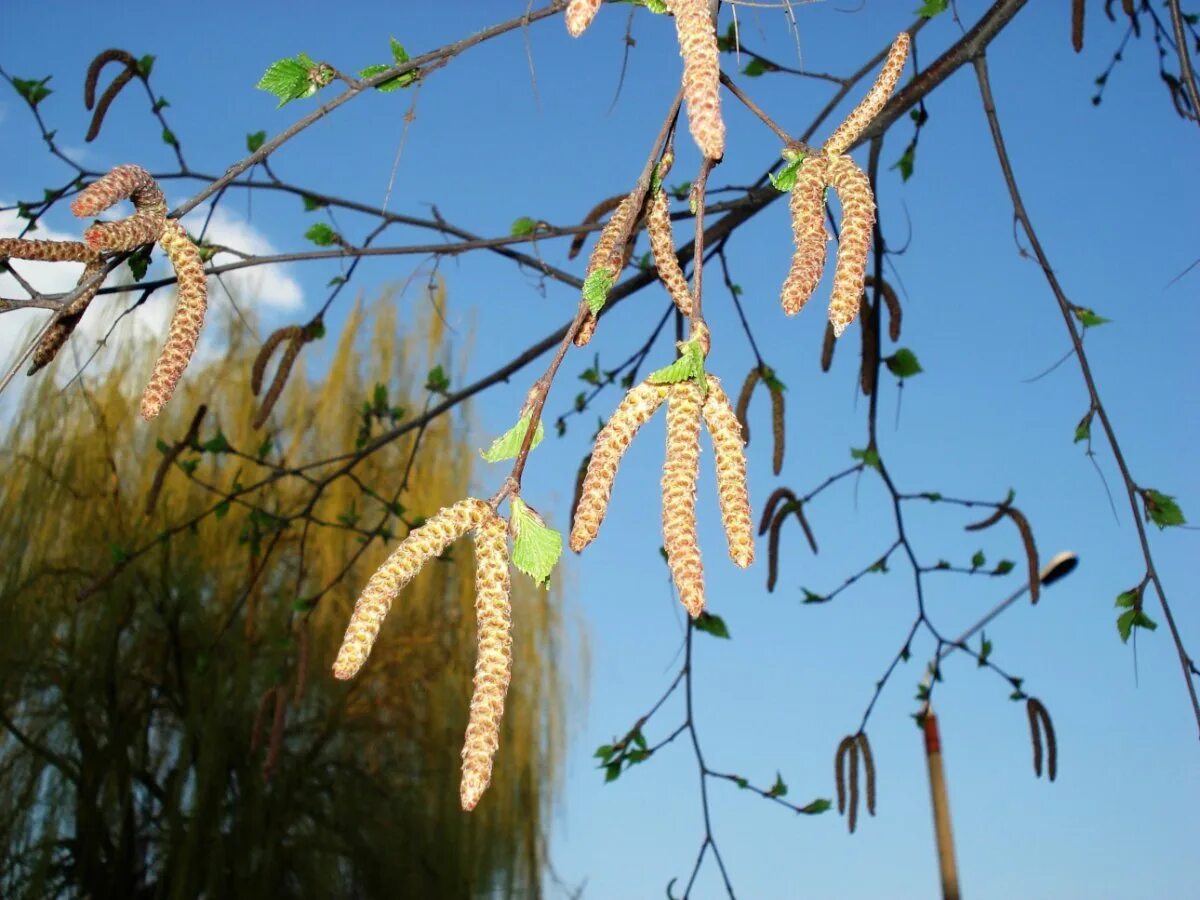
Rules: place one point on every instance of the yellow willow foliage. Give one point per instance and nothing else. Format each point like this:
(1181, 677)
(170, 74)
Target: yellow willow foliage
(135, 772)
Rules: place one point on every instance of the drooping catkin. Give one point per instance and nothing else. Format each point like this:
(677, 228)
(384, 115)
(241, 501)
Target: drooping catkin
(839, 770)
(58, 333)
(634, 410)
(827, 345)
(680, 471)
(423, 543)
(609, 253)
(662, 244)
(891, 301)
(579, 15)
(852, 764)
(858, 217)
(864, 747)
(89, 86)
(870, 348)
(190, 306)
(126, 234)
(1077, 25)
(120, 182)
(607, 205)
(778, 430)
(46, 251)
(697, 34)
(730, 456)
(856, 123)
(743, 402)
(808, 228)
(493, 660)
(274, 339)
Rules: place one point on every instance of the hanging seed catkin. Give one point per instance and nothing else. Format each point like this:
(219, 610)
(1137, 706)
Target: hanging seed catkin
(190, 306)
(808, 228)
(856, 123)
(858, 216)
(730, 456)
(827, 346)
(424, 543)
(579, 15)
(89, 86)
(864, 747)
(743, 402)
(277, 337)
(54, 338)
(493, 660)
(634, 410)
(680, 471)
(697, 34)
(778, 429)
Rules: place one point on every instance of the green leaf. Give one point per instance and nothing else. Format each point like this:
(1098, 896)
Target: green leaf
(1004, 567)
(218, 444)
(903, 363)
(978, 560)
(985, 650)
(638, 738)
(118, 553)
(596, 287)
(536, 547)
(221, 510)
(604, 752)
(786, 179)
(303, 606)
(690, 365)
(437, 380)
(755, 67)
(508, 445)
(1131, 619)
(1162, 509)
(169, 138)
(1128, 599)
(139, 262)
(680, 191)
(710, 624)
(811, 597)
(869, 456)
(255, 140)
(1088, 318)
(336, 280)
(33, 91)
(320, 234)
(1083, 431)
(311, 203)
(816, 807)
(290, 79)
(161, 446)
(399, 56)
(779, 788)
(523, 227)
(658, 7)
(931, 8)
(265, 448)
(160, 104)
(612, 772)
(145, 65)
(906, 162)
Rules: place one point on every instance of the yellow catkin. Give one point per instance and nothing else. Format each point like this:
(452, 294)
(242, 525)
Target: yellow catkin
(730, 455)
(54, 339)
(126, 234)
(858, 217)
(493, 659)
(190, 306)
(579, 15)
(697, 34)
(424, 543)
(808, 229)
(609, 253)
(856, 123)
(679, 494)
(611, 443)
(662, 244)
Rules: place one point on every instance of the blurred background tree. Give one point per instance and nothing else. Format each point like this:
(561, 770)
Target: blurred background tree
(172, 732)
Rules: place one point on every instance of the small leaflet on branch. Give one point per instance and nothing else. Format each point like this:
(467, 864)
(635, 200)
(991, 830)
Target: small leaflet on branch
(508, 445)
(536, 547)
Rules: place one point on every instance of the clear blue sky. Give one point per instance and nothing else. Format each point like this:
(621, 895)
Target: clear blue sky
(1113, 192)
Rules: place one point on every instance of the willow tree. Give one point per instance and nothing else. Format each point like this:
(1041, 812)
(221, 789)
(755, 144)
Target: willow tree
(171, 731)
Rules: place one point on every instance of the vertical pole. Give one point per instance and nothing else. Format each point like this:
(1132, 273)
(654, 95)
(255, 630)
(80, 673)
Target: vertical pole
(947, 865)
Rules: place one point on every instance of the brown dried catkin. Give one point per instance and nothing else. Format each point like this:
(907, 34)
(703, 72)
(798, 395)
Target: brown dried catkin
(827, 346)
(54, 339)
(680, 471)
(89, 86)
(1077, 25)
(864, 747)
(743, 401)
(493, 660)
(281, 376)
(778, 429)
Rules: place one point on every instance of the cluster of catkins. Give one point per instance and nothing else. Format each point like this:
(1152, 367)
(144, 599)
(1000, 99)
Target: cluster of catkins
(148, 224)
(493, 663)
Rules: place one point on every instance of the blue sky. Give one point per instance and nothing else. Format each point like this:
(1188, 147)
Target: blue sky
(1108, 188)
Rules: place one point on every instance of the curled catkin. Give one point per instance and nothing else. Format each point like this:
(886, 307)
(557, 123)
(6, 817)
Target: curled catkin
(277, 337)
(731, 472)
(422, 544)
(493, 660)
(743, 401)
(856, 123)
(54, 338)
(697, 34)
(121, 182)
(190, 305)
(611, 443)
(858, 217)
(679, 495)
(579, 15)
(808, 228)
(143, 227)
(662, 243)
(89, 86)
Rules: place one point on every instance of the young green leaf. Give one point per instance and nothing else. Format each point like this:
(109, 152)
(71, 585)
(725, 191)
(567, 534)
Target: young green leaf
(596, 288)
(33, 91)
(816, 807)
(291, 79)
(311, 203)
(139, 262)
(710, 624)
(537, 547)
(1162, 509)
(1131, 619)
(690, 365)
(320, 234)
(903, 363)
(978, 560)
(508, 445)
(985, 649)
(1083, 431)
(523, 227)
(437, 380)
(755, 67)
(868, 456)
(145, 65)
(255, 140)
(779, 788)
(931, 8)
(1088, 318)
(786, 179)
(906, 162)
